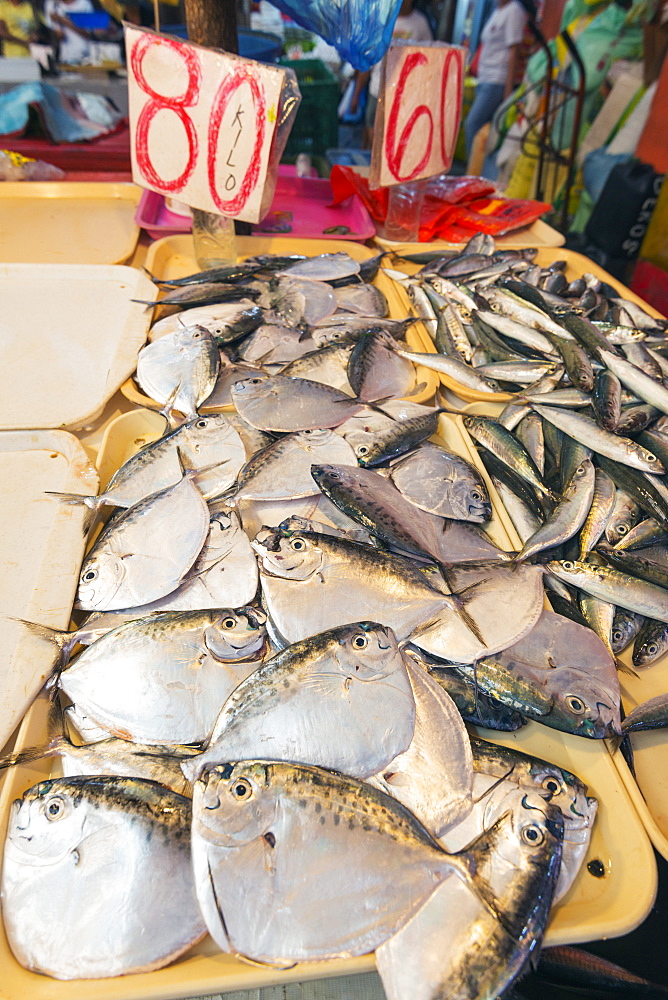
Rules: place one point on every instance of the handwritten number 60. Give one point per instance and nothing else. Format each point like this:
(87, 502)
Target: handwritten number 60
(395, 146)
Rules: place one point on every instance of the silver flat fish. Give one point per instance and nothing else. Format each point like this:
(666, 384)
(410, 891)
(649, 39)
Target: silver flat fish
(440, 482)
(282, 403)
(180, 369)
(89, 864)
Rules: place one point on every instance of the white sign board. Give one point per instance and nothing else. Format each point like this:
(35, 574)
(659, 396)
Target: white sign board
(417, 123)
(201, 123)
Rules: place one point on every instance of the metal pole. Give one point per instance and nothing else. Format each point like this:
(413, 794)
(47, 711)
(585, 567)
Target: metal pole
(213, 23)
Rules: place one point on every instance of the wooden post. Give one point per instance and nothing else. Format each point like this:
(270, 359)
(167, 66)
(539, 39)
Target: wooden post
(213, 23)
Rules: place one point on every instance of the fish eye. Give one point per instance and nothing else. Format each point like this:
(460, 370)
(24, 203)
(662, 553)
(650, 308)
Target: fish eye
(54, 808)
(650, 457)
(360, 641)
(201, 423)
(652, 649)
(362, 450)
(533, 835)
(567, 564)
(617, 635)
(551, 785)
(241, 789)
(623, 529)
(255, 381)
(229, 623)
(298, 544)
(576, 705)
(475, 495)
(90, 575)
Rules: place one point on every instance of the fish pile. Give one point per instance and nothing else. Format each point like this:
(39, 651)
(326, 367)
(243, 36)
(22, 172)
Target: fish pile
(289, 614)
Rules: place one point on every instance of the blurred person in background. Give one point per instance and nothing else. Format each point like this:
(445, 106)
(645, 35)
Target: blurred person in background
(411, 26)
(500, 44)
(73, 42)
(18, 28)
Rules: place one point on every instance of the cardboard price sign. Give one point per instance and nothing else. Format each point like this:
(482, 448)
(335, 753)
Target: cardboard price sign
(418, 117)
(201, 123)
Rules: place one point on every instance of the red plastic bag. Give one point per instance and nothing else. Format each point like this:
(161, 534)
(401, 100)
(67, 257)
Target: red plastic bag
(497, 216)
(346, 182)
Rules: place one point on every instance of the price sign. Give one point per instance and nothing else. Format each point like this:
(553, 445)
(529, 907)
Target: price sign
(418, 116)
(201, 123)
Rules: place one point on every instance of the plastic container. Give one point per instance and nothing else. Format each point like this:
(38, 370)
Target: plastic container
(94, 20)
(70, 334)
(68, 222)
(174, 257)
(316, 126)
(41, 547)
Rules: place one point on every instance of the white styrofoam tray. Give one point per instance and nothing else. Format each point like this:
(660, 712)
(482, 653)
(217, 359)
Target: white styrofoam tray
(69, 338)
(41, 547)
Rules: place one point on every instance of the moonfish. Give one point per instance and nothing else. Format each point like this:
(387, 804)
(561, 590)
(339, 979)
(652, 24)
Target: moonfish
(453, 946)
(180, 369)
(225, 575)
(283, 403)
(89, 865)
(341, 700)
(225, 321)
(163, 679)
(283, 854)
(442, 483)
(433, 777)
(145, 552)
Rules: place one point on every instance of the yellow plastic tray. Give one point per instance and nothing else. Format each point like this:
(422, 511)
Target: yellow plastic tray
(539, 234)
(67, 222)
(594, 908)
(174, 257)
(576, 265)
(649, 793)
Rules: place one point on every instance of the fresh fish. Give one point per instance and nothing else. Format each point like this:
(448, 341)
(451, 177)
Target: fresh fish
(274, 344)
(531, 433)
(281, 403)
(351, 679)
(646, 532)
(559, 674)
(644, 386)
(442, 483)
(146, 551)
(297, 302)
(601, 509)
(282, 470)
(599, 616)
(607, 399)
(494, 437)
(324, 267)
(641, 357)
(611, 585)
(433, 777)
(508, 304)
(377, 370)
(520, 332)
(524, 520)
(524, 373)
(639, 317)
(577, 363)
(365, 299)
(224, 575)
(204, 294)
(623, 517)
(585, 333)
(644, 490)
(226, 321)
(619, 449)
(652, 714)
(570, 398)
(375, 447)
(163, 679)
(247, 818)
(651, 642)
(472, 704)
(634, 419)
(637, 565)
(568, 515)
(413, 963)
(453, 367)
(180, 369)
(228, 272)
(625, 627)
(588, 974)
(328, 365)
(89, 864)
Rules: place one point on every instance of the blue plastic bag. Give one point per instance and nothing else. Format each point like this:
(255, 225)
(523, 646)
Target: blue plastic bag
(360, 30)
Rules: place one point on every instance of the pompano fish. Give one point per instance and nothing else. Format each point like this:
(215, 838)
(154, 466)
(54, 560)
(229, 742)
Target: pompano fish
(274, 344)
(433, 777)
(225, 321)
(483, 956)
(296, 302)
(225, 575)
(560, 674)
(180, 369)
(351, 679)
(443, 483)
(164, 678)
(324, 267)
(282, 471)
(145, 552)
(331, 579)
(283, 838)
(282, 403)
(89, 864)
(365, 299)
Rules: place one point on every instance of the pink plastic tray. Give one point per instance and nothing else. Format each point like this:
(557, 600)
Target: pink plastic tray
(301, 208)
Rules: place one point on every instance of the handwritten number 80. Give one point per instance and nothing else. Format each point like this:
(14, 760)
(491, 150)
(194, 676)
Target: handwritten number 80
(179, 105)
(395, 146)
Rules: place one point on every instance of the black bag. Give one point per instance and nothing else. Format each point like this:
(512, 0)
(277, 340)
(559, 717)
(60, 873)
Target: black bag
(621, 215)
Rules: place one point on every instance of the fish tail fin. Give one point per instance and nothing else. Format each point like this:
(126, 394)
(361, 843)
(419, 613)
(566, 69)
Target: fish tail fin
(624, 668)
(465, 864)
(415, 391)
(31, 754)
(192, 473)
(494, 785)
(151, 276)
(460, 599)
(61, 639)
(145, 302)
(90, 501)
